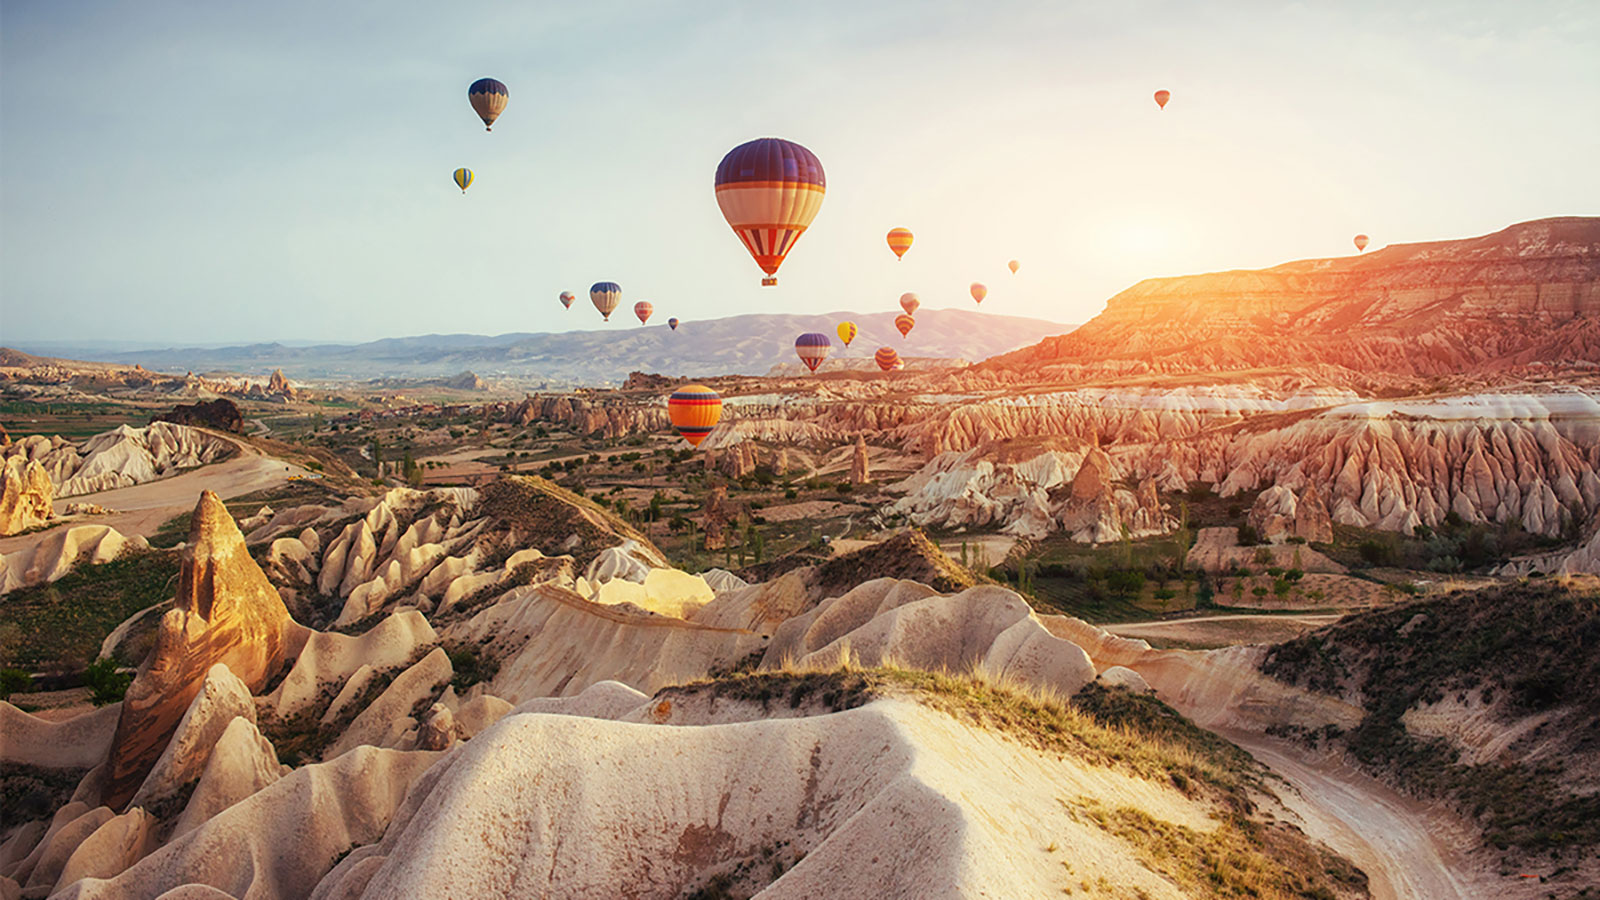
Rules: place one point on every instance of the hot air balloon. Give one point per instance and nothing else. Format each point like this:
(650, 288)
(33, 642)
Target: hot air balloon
(1013, 266)
(673, 323)
(905, 323)
(886, 358)
(900, 241)
(847, 332)
(605, 295)
(694, 410)
(899, 364)
(567, 298)
(979, 292)
(1361, 243)
(643, 309)
(909, 303)
(463, 178)
(769, 191)
(488, 98)
(813, 348)
(1162, 97)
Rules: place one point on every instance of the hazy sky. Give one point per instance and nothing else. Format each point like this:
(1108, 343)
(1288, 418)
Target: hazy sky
(207, 172)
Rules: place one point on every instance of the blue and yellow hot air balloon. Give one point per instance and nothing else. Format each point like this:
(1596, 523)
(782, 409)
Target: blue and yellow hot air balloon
(769, 190)
(463, 178)
(605, 295)
(813, 348)
(488, 98)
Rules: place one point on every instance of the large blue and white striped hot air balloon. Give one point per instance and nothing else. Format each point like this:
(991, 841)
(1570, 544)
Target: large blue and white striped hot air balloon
(769, 190)
(488, 98)
(605, 295)
(813, 348)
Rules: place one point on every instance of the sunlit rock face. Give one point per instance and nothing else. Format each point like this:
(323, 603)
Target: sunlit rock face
(25, 495)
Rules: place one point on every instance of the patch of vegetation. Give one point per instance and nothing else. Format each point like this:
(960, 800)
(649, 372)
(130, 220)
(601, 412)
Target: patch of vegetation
(470, 668)
(58, 627)
(107, 685)
(14, 681)
(30, 792)
(906, 555)
(547, 515)
(1527, 649)
(1452, 546)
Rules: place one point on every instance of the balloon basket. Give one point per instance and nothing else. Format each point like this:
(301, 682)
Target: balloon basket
(769, 282)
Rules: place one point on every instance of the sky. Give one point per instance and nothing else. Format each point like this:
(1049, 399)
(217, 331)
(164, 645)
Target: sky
(234, 173)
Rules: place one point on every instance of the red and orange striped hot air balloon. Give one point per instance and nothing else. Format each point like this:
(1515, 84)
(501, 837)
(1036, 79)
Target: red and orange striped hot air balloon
(900, 241)
(886, 358)
(1162, 97)
(905, 323)
(694, 410)
(643, 309)
(1361, 243)
(567, 298)
(979, 291)
(910, 303)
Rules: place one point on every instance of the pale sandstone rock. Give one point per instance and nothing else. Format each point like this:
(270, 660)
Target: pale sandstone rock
(437, 730)
(329, 658)
(25, 495)
(241, 763)
(54, 851)
(60, 550)
(117, 844)
(76, 743)
(385, 720)
(221, 698)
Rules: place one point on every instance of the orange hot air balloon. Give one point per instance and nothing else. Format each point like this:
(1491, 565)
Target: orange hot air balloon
(909, 303)
(905, 323)
(1162, 97)
(643, 309)
(567, 298)
(1361, 243)
(694, 410)
(1013, 266)
(847, 332)
(979, 291)
(900, 241)
(886, 358)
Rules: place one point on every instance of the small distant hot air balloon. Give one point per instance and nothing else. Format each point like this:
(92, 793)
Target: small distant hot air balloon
(899, 364)
(463, 178)
(847, 332)
(900, 241)
(1013, 266)
(813, 348)
(909, 303)
(605, 295)
(979, 291)
(488, 98)
(694, 410)
(643, 309)
(769, 190)
(886, 358)
(905, 323)
(567, 298)
(673, 323)
(1162, 97)
(1361, 243)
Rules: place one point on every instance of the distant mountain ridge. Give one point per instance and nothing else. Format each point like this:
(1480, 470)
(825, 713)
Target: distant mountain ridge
(1526, 295)
(737, 345)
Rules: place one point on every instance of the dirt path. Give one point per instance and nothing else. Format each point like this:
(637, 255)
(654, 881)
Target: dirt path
(1389, 836)
(1226, 630)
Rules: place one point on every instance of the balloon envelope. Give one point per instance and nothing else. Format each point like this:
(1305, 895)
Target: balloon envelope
(673, 323)
(488, 98)
(605, 295)
(694, 410)
(847, 332)
(886, 358)
(463, 178)
(567, 298)
(979, 292)
(1361, 242)
(900, 241)
(1162, 97)
(643, 309)
(909, 303)
(769, 190)
(905, 323)
(813, 348)
(1013, 266)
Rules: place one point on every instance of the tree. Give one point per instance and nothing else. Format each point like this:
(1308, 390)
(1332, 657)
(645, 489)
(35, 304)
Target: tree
(377, 456)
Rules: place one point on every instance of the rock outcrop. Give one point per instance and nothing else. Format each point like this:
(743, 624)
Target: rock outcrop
(222, 414)
(278, 386)
(1278, 514)
(122, 457)
(25, 495)
(860, 470)
(226, 612)
(60, 550)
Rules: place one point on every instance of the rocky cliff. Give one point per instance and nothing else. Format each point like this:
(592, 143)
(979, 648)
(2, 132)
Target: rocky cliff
(25, 495)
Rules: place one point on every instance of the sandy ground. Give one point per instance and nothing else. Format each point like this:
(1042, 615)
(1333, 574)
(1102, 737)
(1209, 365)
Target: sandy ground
(983, 550)
(809, 509)
(1390, 837)
(1224, 631)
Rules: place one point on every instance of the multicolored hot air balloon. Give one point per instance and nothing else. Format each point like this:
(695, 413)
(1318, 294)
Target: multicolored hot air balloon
(488, 98)
(643, 309)
(899, 364)
(1013, 266)
(900, 241)
(886, 358)
(463, 178)
(769, 190)
(979, 292)
(1361, 243)
(847, 332)
(605, 295)
(567, 298)
(1162, 97)
(813, 348)
(673, 323)
(909, 303)
(905, 323)
(694, 410)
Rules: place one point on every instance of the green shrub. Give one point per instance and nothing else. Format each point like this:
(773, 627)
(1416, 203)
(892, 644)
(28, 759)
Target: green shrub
(1248, 536)
(107, 684)
(14, 681)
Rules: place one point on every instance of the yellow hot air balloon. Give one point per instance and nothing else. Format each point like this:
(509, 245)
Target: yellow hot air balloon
(900, 241)
(694, 410)
(847, 332)
(1013, 266)
(463, 178)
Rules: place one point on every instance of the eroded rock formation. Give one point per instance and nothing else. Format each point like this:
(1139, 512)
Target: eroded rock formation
(25, 495)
